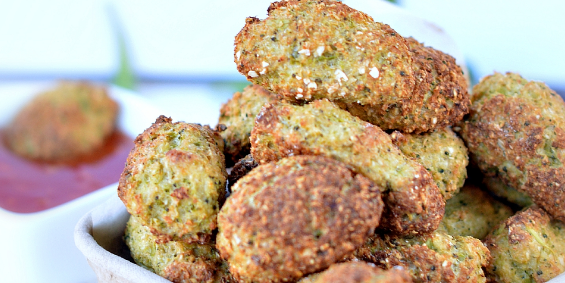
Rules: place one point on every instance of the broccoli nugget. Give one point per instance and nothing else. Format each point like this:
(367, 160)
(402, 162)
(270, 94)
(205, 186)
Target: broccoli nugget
(516, 132)
(443, 154)
(413, 203)
(70, 120)
(501, 190)
(238, 115)
(435, 257)
(295, 217)
(358, 272)
(174, 180)
(176, 261)
(528, 247)
(473, 212)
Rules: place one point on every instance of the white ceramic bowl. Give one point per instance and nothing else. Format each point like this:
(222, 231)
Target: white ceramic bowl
(39, 247)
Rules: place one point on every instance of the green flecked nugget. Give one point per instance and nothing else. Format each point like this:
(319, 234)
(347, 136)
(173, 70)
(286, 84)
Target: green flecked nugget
(504, 191)
(516, 133)
(443, 154)
(528, 247)
(413, 203)
(174, 180)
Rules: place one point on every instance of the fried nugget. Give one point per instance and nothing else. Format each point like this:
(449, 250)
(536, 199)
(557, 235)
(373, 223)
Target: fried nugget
(174, 180)
(63, 123)
(177, 261)
(528, 247)
(501, 190)
(413, 203)
(435, 257)
(238, 115)
(295, 217)
(358, 272)
(241, 168)
(443, 154)
(473, 212)
(516, 132)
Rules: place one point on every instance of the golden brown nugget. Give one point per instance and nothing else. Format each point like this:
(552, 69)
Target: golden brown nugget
(238, 115)
(174, 180)
(528, 247)
(177, 261)
(443, 154)
(358, 272)
(413, 203)
(436, 257)
(473, 212)
(439, 99)
(516, 132)
(72, 119)
(295, 217)
(501, 190)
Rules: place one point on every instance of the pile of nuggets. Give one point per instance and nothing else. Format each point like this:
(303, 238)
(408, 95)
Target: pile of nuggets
(350, 153)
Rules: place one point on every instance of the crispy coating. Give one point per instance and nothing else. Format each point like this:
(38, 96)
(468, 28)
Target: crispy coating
(177, 261)
(294, 217)
(516, 132)
(436, 257)
(358, 272)
(413, 203)
(473, 212)
(443, 154)
(528, 247)
(439, 98)
(501, 190)
(241, 168)
(174, 180)
(70, 120)
(238, 115)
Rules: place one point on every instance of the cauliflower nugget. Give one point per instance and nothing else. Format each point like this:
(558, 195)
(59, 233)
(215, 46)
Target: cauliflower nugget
(295, 217)
(70, 120)
(435, 257)
(238, 115)
(516, 132)
(443, 154)
(502, 190)
(528, 247)
(358, 272)
(177, 261)
(174, 180)
(473, 212)
(413, 203)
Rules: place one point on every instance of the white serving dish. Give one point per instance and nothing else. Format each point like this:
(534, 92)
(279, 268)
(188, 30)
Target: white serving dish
(39, 247)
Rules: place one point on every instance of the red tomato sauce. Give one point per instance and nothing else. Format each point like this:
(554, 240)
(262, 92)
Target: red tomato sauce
(30, 186)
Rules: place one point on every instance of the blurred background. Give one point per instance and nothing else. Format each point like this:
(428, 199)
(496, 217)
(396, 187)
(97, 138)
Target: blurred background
(184, 49)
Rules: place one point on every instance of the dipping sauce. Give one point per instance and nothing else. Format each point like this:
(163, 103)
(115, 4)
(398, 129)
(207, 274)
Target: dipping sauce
(30, 186)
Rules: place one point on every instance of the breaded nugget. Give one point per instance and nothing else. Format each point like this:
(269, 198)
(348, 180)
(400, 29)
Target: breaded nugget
(443, 154)
(413, 203)
(473, 212)
(238, 115)
(175, 260)
(174, 180)
(439, 99)
(436, 257)
(72, 119)
(516, 132)
(241, 168)
(358, 272)
(501, 190)
(295, 217)
(528, 247)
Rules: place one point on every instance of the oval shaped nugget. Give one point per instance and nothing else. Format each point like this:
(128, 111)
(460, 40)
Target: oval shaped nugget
(516, 132)
(358, 272)
(174, 180)
(528, 247)
(238, 115)
(72, 119)
(443, 154)
(295, 217)
(176, 261)
(413, 203)
(435, 257)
